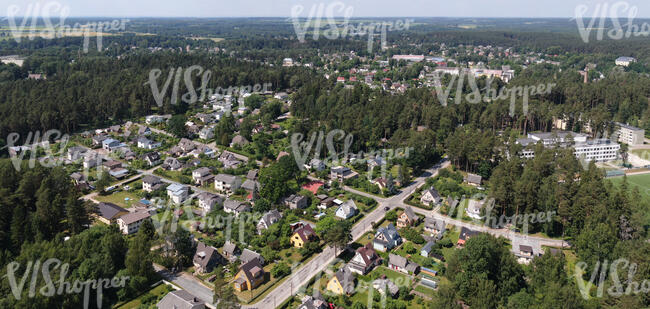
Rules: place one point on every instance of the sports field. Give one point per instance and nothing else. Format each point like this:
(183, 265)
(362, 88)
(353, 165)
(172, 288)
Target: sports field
(640, 181)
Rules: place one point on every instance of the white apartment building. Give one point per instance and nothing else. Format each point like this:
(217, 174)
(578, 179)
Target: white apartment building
(589, 150)
(630, 135)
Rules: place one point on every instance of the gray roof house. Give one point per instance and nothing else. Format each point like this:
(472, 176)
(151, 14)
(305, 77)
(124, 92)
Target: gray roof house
(401, 264)
(296, 201)
(180, 299)
(248, 255)
(235, 207)
(434, 226)
(347, 210)
(268, 219)
(386, 238)
(431, 196)
(206, 258)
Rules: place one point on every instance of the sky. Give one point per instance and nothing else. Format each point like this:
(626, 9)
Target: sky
(355, 8)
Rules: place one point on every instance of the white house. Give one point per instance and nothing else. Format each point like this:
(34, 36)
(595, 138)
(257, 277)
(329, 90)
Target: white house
(177, 192)
(130, 223)
(347, 210)
(226, 183)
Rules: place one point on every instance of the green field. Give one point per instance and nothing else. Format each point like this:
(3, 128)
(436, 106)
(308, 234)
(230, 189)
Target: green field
(157, 292)
(642, 182)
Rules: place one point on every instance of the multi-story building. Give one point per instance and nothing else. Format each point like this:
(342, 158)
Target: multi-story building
(630, 135)
(589, 150)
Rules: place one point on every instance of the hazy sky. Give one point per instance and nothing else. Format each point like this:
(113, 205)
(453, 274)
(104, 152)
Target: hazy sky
(358, 8)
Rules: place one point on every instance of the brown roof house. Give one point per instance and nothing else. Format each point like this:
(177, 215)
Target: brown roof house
(206, 258)
(407, 218)
(109, 212)
(302, 236)
(364, 260)
(250, 276)
(130, 223)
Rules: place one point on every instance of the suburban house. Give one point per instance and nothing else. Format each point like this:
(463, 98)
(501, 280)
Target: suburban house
(250, 276)
(206, 258)
(347, 210)
(177, 192)
(231, 159)
(98, 140)
(226, 183)
(249, 255)
(384, 284)
(230, 251)
(380, 182)
(146, 143)
(151, 183)
(431, 197)
(407, 218)
(235, 207)
(302, 236)
(526, 253)
(473, 179)
(342, 173)
(364, 260)
(267, 220)
(172, 164)
(151, 158)
(110, 144)
(208, 201)
(206, 133)
(313, 302)
(434, 226)
(401, 264)
(342, 283)
(252, 175)
(75, 153)
(239, 141)
(202, 176)
(326, 202)
(130, 223)
(296, 201)
(250, 185)
(109, 212)
(427, 249)
(473, 209)
(386, 238)
(180, 299)
(186, 145)
(316, 165)
(144, 130)
(465, 235)
(452, 202)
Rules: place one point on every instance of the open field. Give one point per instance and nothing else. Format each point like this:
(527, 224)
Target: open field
(642, 182)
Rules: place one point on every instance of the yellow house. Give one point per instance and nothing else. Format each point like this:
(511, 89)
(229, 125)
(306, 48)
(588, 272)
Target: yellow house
(342, 282)
(250, 276)
(302, 235)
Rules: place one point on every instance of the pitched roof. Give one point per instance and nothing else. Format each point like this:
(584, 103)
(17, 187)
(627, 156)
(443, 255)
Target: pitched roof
(249, 255)
(305, 232)
(346, 278)
(410, 213)
(397, 260)
(134, 217)
(225, 178)
(109, 210)
(465, 233)
(434, 223)
(229, 248)
(205, 255)
(252, 269)
(151, 179)
(180, 299)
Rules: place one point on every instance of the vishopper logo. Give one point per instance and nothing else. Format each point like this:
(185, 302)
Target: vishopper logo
(488, 94)
(51, 30)
(618, 288)
(200, 94)
(61, 287)
(34, 142)
(480, 209)
(348, 282)
(341, 28)
(168, 221)
(303, 149)
(602, 13)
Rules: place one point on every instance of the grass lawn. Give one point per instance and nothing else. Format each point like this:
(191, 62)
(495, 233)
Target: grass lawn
(160, 290)
(642, 182)
(118, 198)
